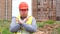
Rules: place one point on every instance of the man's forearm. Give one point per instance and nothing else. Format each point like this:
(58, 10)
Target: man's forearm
(29, 28)
(14, 27)
(32, 27)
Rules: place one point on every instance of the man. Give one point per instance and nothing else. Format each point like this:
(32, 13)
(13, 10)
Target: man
(23, 24)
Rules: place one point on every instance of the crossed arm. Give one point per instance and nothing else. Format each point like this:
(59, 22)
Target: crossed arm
(14, 27)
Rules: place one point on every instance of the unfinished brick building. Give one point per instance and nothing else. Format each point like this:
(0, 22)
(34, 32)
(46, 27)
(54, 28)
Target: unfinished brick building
(41, 9)
(46, 9)
(5, 9)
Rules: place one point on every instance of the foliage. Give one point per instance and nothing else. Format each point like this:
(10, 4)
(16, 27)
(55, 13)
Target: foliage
(4, 27)
(40, 24)
(50, 22)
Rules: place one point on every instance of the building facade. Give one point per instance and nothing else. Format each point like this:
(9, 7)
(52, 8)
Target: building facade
(46, 9)
(42, 10)
(6, 9)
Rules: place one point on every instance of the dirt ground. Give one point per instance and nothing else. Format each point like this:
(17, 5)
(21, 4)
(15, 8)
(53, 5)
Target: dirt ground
(47, 29)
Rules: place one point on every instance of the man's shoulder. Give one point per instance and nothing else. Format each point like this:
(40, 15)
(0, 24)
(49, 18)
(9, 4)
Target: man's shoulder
(13, 16)
(33, 18)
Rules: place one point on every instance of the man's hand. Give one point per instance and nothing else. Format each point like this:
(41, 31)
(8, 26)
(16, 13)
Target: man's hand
(25, 19)
(20, 22)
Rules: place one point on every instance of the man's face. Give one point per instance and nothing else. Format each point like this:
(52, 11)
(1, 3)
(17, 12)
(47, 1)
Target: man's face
(23, 12)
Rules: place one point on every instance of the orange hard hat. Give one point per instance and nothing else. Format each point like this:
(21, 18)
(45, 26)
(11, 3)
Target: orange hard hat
(23, 5)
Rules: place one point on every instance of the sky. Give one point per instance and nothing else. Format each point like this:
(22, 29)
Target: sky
(15, 5)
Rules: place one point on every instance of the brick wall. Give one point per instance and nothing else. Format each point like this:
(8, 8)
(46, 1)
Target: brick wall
(42, 9)
(3, 9)
(58, 9)
(9, 9)
(34, 8)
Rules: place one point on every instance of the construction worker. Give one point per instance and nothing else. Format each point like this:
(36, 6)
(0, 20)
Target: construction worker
(23, 24)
